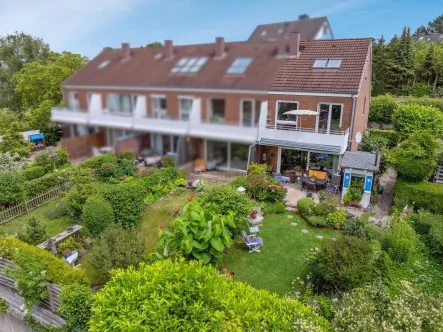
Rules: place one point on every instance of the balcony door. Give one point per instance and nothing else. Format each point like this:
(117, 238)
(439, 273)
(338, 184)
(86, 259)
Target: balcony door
(185, 107)
(285, 119)
(250, 112)
(329, 118)
(159, 106)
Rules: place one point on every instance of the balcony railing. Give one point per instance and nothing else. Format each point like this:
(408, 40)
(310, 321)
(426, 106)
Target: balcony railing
(306, 130)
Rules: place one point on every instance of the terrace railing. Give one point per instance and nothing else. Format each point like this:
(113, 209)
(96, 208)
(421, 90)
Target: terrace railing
(280, 126)
(31, 203)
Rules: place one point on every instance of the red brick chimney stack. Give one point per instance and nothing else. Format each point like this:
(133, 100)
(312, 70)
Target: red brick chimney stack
(219, 47)
(126, 51)
(294, 44)
(169, 50)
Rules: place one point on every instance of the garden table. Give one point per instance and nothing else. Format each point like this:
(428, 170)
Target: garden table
(305, 180)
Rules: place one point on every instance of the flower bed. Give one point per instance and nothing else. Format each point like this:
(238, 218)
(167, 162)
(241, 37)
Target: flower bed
(324, 215)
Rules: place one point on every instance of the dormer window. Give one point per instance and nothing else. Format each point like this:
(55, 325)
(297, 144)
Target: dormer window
(188, 65)
(239, 65)
(103, 64)
(327, 64)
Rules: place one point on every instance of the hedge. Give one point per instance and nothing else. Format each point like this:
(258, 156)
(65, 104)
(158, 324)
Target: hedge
(421, 195)
(33, 172)
(391, 135)
(57, 271)
(97, 161)
(45, 183)
(412, 117)
(12, 188)
(97, 214)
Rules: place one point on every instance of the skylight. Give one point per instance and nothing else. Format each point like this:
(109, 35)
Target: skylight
(421, 38)
(239, 65)
(327, 63)
(188, 65)
(334, 63)
(158, 56)
(320, 63)
(103, 64)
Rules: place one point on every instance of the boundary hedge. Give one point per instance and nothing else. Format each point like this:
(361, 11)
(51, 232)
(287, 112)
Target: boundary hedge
(422, 195)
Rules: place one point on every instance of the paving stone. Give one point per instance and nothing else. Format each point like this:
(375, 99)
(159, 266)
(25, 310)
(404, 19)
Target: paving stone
(290, 216)
(290, 209)
(333, 239)
(319, 237)
(304, 231)
(294, 224)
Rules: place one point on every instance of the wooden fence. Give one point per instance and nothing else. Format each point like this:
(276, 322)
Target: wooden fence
(32, 203)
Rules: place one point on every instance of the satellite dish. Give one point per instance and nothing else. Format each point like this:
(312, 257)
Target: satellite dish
(358, 137)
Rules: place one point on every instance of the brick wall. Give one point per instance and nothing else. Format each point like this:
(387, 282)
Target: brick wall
(81, 146)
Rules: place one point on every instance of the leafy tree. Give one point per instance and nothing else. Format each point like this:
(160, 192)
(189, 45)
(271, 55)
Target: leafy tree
(412, 117)
(118, 248)
(182, 296)
(12, 189)
(154, 44)
(8, 117)
(10, 162)
(76, 303)
(435, 26)
(16, 50)
(107, 48)
(34, 232)
(416, 158)
(15, 143)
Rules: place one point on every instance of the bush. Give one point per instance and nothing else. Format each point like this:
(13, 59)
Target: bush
(400, 242)
(275, 193)
(355, 227)
(106, 171)
(420, 90)
(117, 248)
(76, 303)
(373, 232)
(213, 305)
(180, 182)
(435, 239)
(97, 161)
(343, 264)
(57, 271)
(228, 200)
(126, 167)
(305, 206)
(256, 183)
(183, 174)
(323, 209)
(126, 201)
(129, 155)
(97, 214)
(318, 221)
(255, 168)
(67, 246)
(381, 109)
(12, 189)
(62, 156)
(421, 195)
(239, 181)
(43, 159)
(77, 196)
(33, 172)
(34, 232)
(45, 183)
(337, 218)
(409, 118)
(379, 139)
(168, 161)
(270, 208)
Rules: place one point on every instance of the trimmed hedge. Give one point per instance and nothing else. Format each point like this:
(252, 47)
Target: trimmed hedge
(57, 271)
(12, 187)
(412, 117)
(97, 214)
(45, 183)
(97, 161)
(33, 172)
(305, 206)
(392, 137)
(421, 195)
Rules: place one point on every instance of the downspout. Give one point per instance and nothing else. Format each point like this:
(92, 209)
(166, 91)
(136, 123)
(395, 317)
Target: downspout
(249, 157)
(351, 129)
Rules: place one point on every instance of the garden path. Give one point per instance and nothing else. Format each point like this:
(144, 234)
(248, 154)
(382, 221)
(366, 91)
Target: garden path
(387, 180)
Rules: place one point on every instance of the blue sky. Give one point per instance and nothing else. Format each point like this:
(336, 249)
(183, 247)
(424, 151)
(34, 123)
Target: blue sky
(86, 26)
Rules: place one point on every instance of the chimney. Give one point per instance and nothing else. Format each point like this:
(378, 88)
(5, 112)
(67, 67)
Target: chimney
(219, 47)
(281, 51)
(169, 51)
(126, 51)
(303, 16)
(294, 44)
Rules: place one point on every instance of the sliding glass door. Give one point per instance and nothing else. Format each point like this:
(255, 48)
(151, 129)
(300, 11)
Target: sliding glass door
(329, 118)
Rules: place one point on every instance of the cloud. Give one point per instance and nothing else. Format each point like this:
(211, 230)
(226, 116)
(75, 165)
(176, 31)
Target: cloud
(62, 22)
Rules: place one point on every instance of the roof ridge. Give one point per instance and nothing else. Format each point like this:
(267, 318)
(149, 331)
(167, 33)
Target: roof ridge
(283, 22)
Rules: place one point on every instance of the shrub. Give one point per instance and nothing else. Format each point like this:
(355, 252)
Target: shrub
(126, 201)
(43, 159)
(126, 167)
(343, 264)
(275, 193)
(34, 232)
(62, 156)
(3, 305)
(117, 248)
(409, 118)
(400, 242)
(97, 214)
(14, 142)
(355, 227)
(198, 236)
(255, 168)
(421, 195)
(12, 189)
(255, 183)
(33, 172)
(435, 239)
(67, 246)
(213, 305)
(45, 183)
(305, 206)
(129, 155)
(97, 161)
(228, 200)
(57, 271)
(180, 182)
(10, 161)
(106, 171)
(373, 232)
(337, 218)
(381, 109)
(183, 174)
(279, 207)
(318, 221)
(323, 209)
(379, 139)
(76, 303)
(168, 161)
(239, 181)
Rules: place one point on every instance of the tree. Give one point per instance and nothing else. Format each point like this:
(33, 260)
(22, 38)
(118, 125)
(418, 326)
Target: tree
(8, 117)
(97, 214)
(14, 142)
(10, 162)
(437, 63)
(107, 48)
(12, 190)
(154, 44)
(416, 158)
(435, 26)
(76, 302)
(408, 118)
(16, 50)
(182, 296)
(34, 232)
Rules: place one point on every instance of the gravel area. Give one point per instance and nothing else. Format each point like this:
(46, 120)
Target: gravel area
(387, 180)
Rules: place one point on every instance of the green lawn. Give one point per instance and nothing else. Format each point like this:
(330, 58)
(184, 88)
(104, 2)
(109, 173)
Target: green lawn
(282, 256)
(53, 226)
(159, 215)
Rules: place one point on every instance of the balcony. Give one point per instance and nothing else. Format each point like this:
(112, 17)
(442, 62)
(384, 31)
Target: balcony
(111, 119)
(161, 125)
(65, 115)
(224, 131)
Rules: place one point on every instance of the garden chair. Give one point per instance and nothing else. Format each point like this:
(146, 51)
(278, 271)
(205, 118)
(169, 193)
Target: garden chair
(253, 244)
(279, 178)
(332, 187)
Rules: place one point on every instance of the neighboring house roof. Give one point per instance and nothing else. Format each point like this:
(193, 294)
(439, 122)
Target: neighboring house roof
(145, 68)
(298, 74)
(307, 27)
(436, 38)
(361, 160)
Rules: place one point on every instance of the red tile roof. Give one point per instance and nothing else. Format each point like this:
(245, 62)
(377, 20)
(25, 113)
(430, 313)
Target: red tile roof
(143, 70)
(297, 74)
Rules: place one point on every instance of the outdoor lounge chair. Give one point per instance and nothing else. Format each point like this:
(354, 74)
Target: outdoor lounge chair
(278, 177)
(253, 244)
(332, 187)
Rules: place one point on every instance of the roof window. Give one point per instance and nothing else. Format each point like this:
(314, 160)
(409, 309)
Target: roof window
(188, 65)
(327, 63)
(263, 33)
(158, 56)
(320, 63)
(334, 63)
(239, 65)
(104, 64)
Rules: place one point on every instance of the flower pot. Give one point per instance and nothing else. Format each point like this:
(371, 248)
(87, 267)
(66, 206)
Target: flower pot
(355, 203)
(346, 203)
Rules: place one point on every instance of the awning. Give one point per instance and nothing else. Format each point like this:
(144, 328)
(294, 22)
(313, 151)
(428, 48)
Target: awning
(321, 148)
(36, 137)
(301, 112)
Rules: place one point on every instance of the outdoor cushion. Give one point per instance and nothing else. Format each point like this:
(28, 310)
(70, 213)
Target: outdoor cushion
(318, 174)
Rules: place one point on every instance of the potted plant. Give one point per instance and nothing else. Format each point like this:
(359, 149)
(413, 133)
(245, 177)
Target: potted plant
(313, 178)
(298, 171)
(322, 196)
(292, 178)
(356, 195)
(347, 198)
(253, 214)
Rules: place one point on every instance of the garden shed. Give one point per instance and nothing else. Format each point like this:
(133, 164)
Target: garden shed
(363, 165)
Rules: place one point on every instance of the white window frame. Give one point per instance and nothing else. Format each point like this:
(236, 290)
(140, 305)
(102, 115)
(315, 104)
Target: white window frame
(180, 109)
(118, 112)
(284, 121)
(328, 130)
(158, 113)
(211, 111)
(254, 120)
(71, 97)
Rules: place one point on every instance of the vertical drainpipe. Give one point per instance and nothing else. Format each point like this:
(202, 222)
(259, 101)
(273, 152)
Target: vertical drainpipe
(249, 156)
(351, 130)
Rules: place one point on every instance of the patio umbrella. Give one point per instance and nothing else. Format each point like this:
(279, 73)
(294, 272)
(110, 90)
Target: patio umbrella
(301, 112)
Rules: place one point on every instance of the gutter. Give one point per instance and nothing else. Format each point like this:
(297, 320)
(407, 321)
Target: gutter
(351, 129)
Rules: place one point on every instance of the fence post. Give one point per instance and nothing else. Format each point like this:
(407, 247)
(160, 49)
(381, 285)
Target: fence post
(51, 299)
(26, 206)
